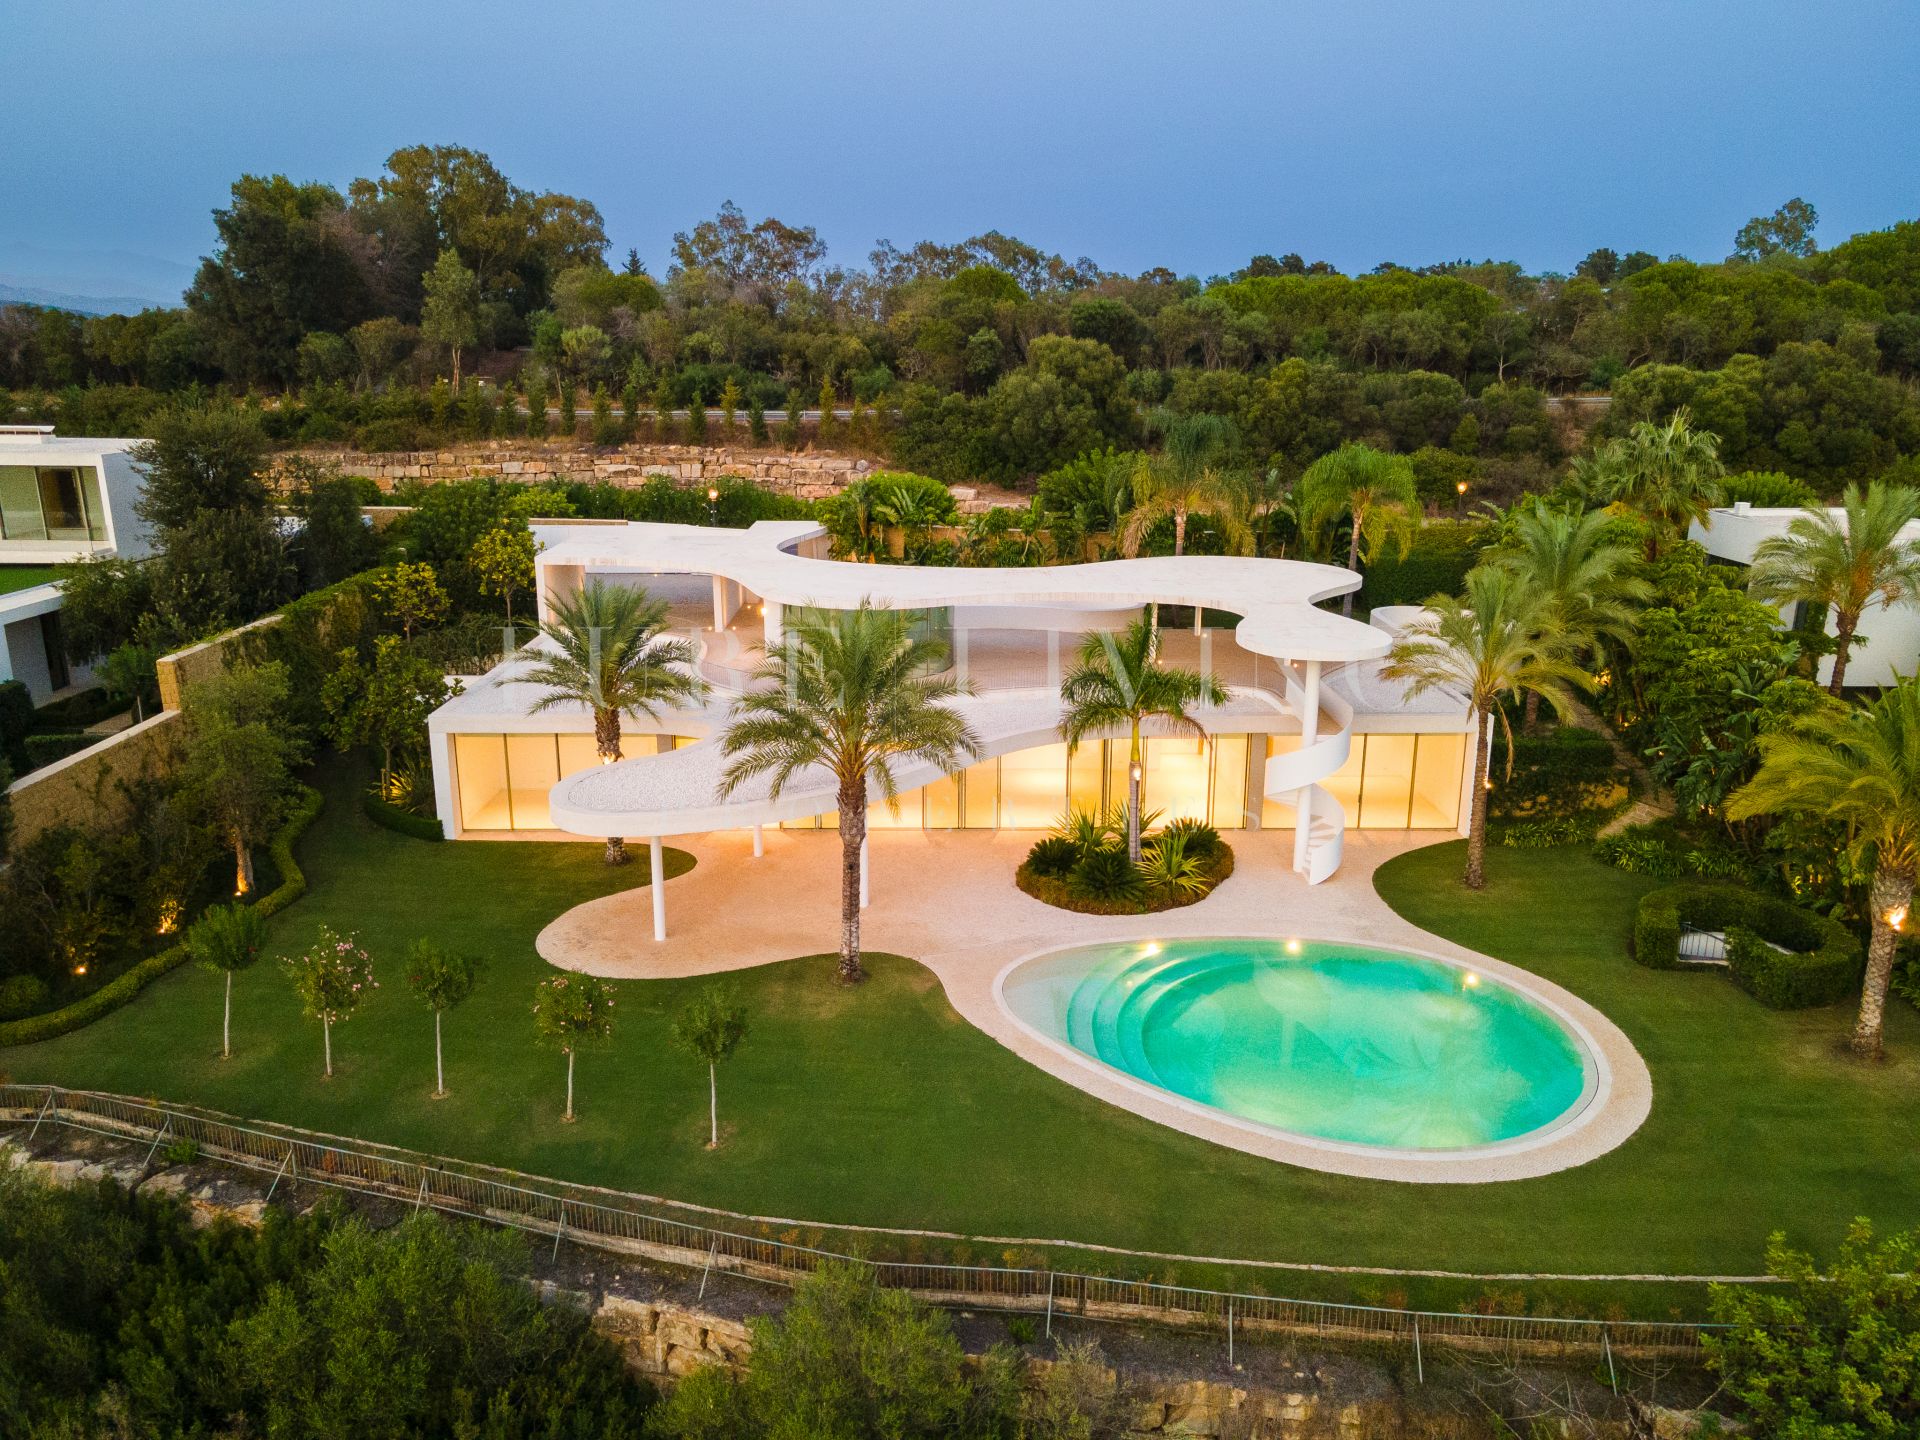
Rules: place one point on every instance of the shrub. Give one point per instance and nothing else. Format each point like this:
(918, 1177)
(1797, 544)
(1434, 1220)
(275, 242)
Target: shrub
(46, 749)
(1168, 868)
(1767, 489)
(1104, 874)
(16, 719)
(1053, 856)
(1436, 564)
(1560, 772)
(1639, 854)
(1202, 841)
(21, 995)
(1820, 964)
(1547, 833)
(404, 822)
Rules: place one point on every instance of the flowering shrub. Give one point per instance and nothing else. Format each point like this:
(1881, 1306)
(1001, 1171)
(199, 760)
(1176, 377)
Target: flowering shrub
(571, 1011)
(333, 977)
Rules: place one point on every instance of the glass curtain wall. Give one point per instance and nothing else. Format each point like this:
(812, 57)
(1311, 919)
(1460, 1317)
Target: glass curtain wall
(503, 780)
(51, 502)
(1390, 782)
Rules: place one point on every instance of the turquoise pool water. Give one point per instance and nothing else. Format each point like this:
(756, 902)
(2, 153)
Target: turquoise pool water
(1340, 1042)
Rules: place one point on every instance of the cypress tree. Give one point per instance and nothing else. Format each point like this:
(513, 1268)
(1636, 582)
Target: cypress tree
(697, 420)
(663, 411)
(756, 422)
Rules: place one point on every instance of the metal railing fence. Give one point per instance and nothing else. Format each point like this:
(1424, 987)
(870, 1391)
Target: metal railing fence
(772, 1250)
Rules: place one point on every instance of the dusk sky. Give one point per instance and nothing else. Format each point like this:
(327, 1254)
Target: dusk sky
(1191, 136)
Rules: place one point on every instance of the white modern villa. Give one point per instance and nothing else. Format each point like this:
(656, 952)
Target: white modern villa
(1886, 648)
(60, 501)
(1311, 739)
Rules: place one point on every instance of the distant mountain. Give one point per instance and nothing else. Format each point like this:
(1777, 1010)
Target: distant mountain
(84, 304)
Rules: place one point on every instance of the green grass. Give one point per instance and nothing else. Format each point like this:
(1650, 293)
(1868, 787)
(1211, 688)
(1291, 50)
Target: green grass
(879, 1105)
(25, 577)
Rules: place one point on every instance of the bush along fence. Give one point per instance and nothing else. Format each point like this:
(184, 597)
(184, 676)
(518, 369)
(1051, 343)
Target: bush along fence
(121, 989)
(1785, 957)
(770, 1250)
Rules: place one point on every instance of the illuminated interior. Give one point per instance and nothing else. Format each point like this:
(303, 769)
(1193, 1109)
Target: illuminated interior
(1389, 782)
(503, 780)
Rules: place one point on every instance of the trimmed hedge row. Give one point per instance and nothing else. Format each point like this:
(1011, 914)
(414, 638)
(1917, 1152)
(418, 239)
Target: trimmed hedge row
(1435, 564)
(419, 827)
(1822, 963)
(118, 991)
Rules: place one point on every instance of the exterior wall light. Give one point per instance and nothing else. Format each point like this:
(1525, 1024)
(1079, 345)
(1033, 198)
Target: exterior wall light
(1896, 918)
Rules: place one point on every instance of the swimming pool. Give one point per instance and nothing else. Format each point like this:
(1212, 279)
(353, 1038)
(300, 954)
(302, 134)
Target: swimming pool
(1342, 1043)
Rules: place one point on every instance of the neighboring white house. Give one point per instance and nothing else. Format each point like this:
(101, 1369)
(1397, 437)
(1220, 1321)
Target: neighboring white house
(60, 501)
(1887, 645)
(1373, 758)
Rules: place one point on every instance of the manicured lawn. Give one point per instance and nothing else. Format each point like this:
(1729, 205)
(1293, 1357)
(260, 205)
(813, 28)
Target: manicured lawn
(25, 577)
(880, 1105)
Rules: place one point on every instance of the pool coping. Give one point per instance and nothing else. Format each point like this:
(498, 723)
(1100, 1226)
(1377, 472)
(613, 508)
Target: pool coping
(1597, 1081)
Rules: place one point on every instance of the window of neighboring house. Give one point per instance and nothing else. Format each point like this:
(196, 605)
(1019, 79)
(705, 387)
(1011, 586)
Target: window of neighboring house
(51, 502)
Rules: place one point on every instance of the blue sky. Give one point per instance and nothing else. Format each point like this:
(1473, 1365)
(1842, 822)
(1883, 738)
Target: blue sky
(1191, 135)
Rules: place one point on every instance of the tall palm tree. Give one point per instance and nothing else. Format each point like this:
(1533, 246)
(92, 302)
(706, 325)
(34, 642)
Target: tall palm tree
(611, 654)
(1496, 640)
(1860, 767)
(852, 692)
(1119, 681)
(1191, 476)
(1670, 474)
(1372, 490)
(1587, 578)
(1844, 562)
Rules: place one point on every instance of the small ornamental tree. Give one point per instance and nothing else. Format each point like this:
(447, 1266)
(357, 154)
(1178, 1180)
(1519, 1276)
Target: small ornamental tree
(225, 939)
(571, 1012)
(331, 979)
(412, 595)
(442, 979)
(502, 558)
(710, 1028)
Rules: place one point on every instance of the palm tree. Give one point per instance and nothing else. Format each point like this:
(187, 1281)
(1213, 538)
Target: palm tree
(1861, 768)
(1189, 477)
(1585, 576)
(1670, 474)
(1373, 490)
(1844, 563)
(611, 654)
(852, 692)
(1119, 681)
(1496, 640)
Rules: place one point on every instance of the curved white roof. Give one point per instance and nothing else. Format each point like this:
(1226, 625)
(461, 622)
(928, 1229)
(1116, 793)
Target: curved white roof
(1275, 598)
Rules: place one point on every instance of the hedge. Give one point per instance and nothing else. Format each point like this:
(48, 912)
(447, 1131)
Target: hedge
(1558, 773)
(45, 749)
(118, 991)
(1822, 963)
(420, 827)
(1436, 564)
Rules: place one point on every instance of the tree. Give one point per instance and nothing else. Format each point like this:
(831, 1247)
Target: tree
(1828, 1354)
(1374, 492)
(412, 595)
(854, 692)
(1844, 562)
(1788, 231)
(385, 704)
(607, 649)
(201, 459)
(225, 939)
(1119, 681)
(442, 979)
(1584, 573)
(1668, 474)
(502, 560)
(332, 977)
(335, 539)
(1494, 641)
(710, 1027)
(239, 755)
(450, 313)
(1189, 478)
(1860, 768)
(571, 1012)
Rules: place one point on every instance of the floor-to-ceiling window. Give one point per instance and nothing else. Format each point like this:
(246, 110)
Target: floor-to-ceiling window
(1389, 782)
(503, 781)
(51, 502)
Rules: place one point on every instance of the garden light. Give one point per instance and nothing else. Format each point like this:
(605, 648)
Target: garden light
(1896, 917)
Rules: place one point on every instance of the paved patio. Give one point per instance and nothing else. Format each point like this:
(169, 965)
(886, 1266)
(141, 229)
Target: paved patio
(948, 900)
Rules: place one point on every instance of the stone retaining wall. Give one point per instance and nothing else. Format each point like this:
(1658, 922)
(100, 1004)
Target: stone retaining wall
(806, 474)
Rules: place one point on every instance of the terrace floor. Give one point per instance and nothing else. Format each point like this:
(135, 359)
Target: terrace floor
(948, 899)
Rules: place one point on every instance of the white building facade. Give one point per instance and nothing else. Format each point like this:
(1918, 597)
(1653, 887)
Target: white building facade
(1886, 647)
(1309, 731)
(61, 500)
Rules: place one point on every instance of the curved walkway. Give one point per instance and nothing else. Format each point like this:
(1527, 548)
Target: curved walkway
(948, 900)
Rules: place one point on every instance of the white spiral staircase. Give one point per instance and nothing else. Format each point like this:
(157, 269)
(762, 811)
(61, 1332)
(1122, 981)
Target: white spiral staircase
(1326, 738)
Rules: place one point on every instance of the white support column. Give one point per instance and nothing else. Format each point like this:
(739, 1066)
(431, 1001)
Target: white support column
(1199, 611)
(772, 613)
(658, 884)
(1309, 735)
(721, 610)
(866, 888)
(759, 842)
